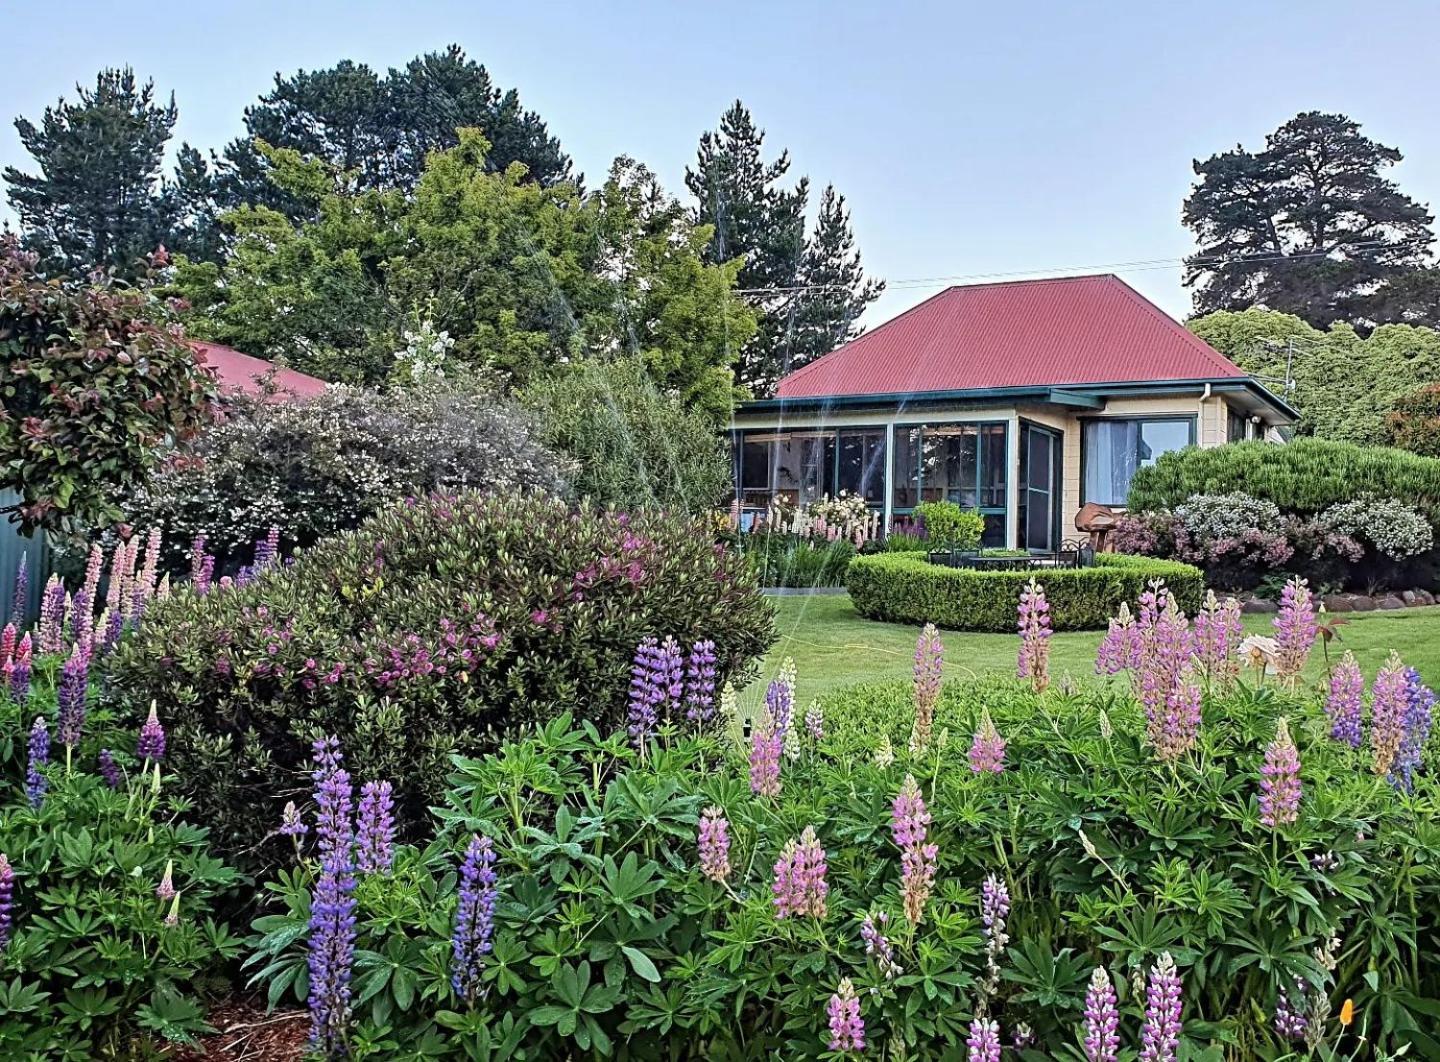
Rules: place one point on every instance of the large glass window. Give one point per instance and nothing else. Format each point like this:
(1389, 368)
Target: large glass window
(964, 463)
(1236, 424)
(799, 467)
(862, 464)
(1115, 448)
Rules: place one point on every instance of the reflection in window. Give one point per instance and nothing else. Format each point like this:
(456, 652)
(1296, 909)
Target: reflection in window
(800, 467)
(1114, 449)
(961, 463)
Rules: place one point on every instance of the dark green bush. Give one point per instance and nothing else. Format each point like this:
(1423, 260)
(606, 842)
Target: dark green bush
(1302, 477)
(948, 526)
(435, 628)
(784, 560)
(907, 588)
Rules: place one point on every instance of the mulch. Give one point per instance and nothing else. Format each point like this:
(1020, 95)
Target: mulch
(248, 1034)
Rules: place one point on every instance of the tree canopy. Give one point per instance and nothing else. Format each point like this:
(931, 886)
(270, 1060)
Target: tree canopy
(1308, 226)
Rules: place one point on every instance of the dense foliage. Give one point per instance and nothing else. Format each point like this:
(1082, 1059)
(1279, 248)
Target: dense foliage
(948, 526)
(437, 627)
(633, 445)
(1303, 477)
(1413, 422)
(106, 896)
(904, 587)
(321, 466)
(792, 561)
(91, 386)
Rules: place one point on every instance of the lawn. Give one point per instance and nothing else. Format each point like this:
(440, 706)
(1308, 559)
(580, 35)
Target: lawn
(833, 646)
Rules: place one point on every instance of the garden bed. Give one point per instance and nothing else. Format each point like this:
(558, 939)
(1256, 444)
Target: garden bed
(907, 588)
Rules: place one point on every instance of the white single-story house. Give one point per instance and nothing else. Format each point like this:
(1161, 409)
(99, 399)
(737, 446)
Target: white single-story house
(1025, 400)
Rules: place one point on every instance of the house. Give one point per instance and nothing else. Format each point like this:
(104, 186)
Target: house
(1024, 400)
(238, 373)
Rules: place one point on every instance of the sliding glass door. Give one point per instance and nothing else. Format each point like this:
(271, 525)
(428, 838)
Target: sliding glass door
(1041, 487)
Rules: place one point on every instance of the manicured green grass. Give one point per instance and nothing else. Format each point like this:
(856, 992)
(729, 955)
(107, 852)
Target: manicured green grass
(833, 646)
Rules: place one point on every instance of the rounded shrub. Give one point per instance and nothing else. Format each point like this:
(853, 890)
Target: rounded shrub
(438, 627)
(907, 588)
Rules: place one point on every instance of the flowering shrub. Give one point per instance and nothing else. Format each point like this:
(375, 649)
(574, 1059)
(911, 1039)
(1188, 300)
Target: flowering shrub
(317, 467)
(436, 628)
(1391, 527)
(844, 518)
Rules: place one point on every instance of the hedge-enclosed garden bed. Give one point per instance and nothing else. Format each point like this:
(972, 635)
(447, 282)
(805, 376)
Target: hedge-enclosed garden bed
(907, 588)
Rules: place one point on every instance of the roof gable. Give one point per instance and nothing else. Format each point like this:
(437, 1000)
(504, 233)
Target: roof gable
(1069, 330)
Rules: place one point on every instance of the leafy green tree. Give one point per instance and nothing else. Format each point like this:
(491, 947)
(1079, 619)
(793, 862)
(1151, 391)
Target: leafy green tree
(97, 200)
(1414, 421)
(1308, 226)
(1413, 297)
(1344, 384)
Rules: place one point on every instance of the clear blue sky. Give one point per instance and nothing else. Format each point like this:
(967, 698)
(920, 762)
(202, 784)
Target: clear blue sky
(969, 138)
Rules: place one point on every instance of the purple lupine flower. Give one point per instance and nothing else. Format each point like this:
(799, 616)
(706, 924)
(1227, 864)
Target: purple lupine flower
(1419, 714)
(645, 696)
(82, 620)
(780, 703)
(1165, 651)
(334, 811)
(1176, 728)
(474, 919)
(800, 888)
(165, 891)
(847, 1028)
(70, 697)
(714, 844)
(114, 627)
(1033, 624)
(929, 672)
(766, 746)
(987, 749)
(1346, 703)
(700, 682)
(1102, 1019)
(1120, 649)
(8, 639)
(983, 1044)
(202, 565)
(292, 824)
(52, 616)
(267, 549)
(20, 671)
(815, 722)
(35, 781)
(1296, 629)
(909, 817)
(20, 604)
(331, 953)
(994, 910)
(1160, 1035)
(109, 769)
(1389, 704)
(1291, 1022)
(1217, 630)
(151, 744)
(878, 946)
(908, 821)
(7, 901)
(375, 829)
(1280, 779)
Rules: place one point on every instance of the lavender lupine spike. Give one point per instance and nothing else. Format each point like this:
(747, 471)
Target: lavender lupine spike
(1033, 624)
(766, 746)
(1160, 1035)
(35, 781)
(714, 844)
(1389, 704)
(1290, 1013)
(151, 745)
(908, 821)
(70, 698)
(1176, 728)
(878, 946)
(983, 1044)
(1102, 1019)
(994, 910)
(909, 818)
(7, 902)
(645, 695)
(847, 1027)
(780, 700)
(1415, 726)
(292, 824)
(1280, 779)
(700, 682)
(1345, 704)
(1120, 649)
(82, 620)
(1217, 631)
(20, 604)
(334, 801)
(331, 954)
(1165, 650)
(815, 722)
(109, 769)
(474, 931)
(52, 617)
(929, 669)
(1296, 629)
(375, 829)
(987, 749)
(94, 565)
(800, 887)
(20, 671)
(9, 638)
(200, 570)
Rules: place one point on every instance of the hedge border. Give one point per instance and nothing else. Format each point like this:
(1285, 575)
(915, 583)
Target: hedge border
(903, 588)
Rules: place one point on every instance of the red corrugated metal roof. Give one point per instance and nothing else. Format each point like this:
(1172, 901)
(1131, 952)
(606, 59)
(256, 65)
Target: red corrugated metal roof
(1066, 330)
(240, 372)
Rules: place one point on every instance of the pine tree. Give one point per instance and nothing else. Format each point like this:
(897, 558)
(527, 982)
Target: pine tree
(97, 200)
(836, 290)
(1307, 226)
(741, 197)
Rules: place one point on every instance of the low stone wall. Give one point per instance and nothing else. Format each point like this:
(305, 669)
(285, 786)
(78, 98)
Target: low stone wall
(1349, 602)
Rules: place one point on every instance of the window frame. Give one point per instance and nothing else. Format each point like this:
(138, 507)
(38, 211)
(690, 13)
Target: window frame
(828, 436)
(1007, 461)
(1192, 421)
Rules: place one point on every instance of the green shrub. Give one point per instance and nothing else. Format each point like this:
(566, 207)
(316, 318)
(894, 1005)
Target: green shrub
(948, 526)
(435, 628)
(903, 542)
(905, 588)
(1414, 421)
(784, 560)
(1302, 477)
(610, 939)
(92, 969)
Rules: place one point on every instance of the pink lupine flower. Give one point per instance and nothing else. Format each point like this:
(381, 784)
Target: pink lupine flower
(1345, 704)
(1296, 629)
(1102, 1019)
(983, 1044)
(987, 750)
(1165, 651)
(929, 665)
(878, 946)
(1033, 624)
(1160, 1036)
(908, 815)
(908, 821)
(1120, 649)
(1280, 781)
(847, 1028)
(1218, 631)
(766, 746)
(1176, 728)
(1389, 702)
(715, 844)
(800, 887)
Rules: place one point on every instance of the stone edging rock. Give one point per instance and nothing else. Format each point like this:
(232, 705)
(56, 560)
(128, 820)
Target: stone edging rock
(1349, 602)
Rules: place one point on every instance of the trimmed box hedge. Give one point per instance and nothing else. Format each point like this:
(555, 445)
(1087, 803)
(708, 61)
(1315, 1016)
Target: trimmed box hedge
(906, 588)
